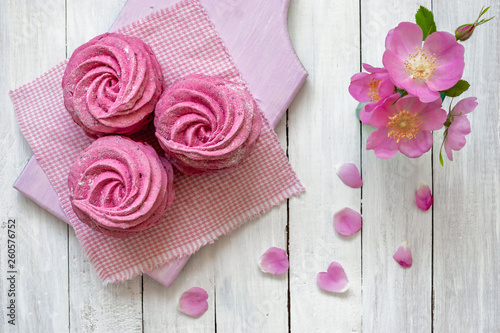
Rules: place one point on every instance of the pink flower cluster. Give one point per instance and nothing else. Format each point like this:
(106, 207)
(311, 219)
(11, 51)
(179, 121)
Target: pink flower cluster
(403, 100)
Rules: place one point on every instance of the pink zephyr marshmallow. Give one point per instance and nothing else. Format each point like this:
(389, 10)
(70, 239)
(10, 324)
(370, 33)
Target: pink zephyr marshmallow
(120, 187)
(423, 197)
(206, 124)
(334, 279)
(349, 174)
(347, 222)
(274, 261)
(403, 255)
(193, 302)
(111, 85)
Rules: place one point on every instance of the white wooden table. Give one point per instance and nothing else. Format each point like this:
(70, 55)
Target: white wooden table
(453, 285)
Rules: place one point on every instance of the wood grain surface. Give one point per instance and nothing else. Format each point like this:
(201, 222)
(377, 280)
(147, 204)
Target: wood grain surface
(453, 283)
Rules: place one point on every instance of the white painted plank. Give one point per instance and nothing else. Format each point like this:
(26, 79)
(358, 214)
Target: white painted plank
(394, 299)
(323, 132)
(247, 299)
(467, 190)
(32, 40)
(93, 306)
(160, 303)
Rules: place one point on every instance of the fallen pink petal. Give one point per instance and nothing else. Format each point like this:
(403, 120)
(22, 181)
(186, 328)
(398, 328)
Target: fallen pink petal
(347, 222)
(193, 302)
(423, 197)
(349, 174)
(403, 255)
(334, 279)
(274, 261)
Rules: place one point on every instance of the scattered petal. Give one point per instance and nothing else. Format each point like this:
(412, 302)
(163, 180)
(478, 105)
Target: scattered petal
(274, 261)
(193, 302)
(349, 174)
(334, 279)
(423, 197)
(347, 222)
(403, 255)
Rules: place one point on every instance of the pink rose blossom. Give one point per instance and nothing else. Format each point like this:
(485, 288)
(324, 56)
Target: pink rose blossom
(459, 126)
(372, 88)
(423, 69)
(404, 124)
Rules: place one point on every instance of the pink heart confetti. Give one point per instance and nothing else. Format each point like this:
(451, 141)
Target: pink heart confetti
(334, 279)
(403, 255)
(423, 197)
(274, 261)
(349, 174)
(193, 302)
(347, 222)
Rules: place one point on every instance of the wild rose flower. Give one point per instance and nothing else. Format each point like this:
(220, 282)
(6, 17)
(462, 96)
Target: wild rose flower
(404, 124)
(423, 70)
(459, 126)
(372, 88)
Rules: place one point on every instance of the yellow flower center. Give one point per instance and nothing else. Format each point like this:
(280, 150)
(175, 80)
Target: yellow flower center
(421, 64)
(404, 126)
(373, 90)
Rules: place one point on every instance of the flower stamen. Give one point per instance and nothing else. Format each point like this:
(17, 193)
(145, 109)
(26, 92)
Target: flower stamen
(404, 126)
(421, 64)
(373, 90)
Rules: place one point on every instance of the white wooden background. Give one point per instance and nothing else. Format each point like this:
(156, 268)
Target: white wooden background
(453, 285)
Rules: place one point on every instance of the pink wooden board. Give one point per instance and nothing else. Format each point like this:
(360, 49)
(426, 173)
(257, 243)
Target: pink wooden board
(256, 36)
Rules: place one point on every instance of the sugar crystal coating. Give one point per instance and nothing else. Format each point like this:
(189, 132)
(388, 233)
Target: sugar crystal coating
(120, 187)
(111, 85)
(206, 124)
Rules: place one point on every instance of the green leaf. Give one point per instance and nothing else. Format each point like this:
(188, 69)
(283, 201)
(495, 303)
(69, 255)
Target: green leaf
(359, 108)
(457, 89)
(425, 20)
(441, 159)
(483, 11)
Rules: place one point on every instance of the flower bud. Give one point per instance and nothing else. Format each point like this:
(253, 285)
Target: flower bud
(464, 31)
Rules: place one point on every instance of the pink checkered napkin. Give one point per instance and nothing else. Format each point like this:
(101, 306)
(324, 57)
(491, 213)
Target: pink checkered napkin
(205, 206)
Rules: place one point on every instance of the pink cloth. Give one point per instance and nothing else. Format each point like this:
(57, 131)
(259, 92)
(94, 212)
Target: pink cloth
(206, 206)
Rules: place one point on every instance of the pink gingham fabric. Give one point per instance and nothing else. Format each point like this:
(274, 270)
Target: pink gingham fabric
(205, 206)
